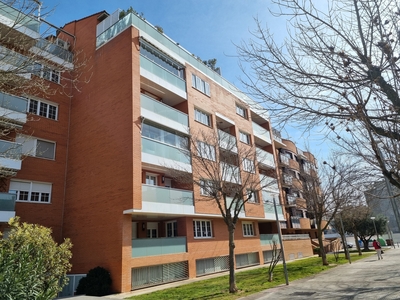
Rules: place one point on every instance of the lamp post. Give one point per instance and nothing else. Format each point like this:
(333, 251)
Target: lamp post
(390, 234)
(280, 241)
(346, 248)
(376, 232)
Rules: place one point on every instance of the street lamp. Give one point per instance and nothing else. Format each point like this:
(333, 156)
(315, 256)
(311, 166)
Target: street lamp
(280, 241)
(376, 232)
(390, 234)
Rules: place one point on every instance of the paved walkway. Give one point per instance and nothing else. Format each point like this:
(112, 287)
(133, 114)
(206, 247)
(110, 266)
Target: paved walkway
(368, 278)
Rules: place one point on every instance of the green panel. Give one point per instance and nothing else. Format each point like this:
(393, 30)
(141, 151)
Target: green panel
(151, 193)
(19, 18)
(13, 103)
(159, 246)
(164, 150)
(163, 110)
(7, 202)
(268, 239)
(162, 73)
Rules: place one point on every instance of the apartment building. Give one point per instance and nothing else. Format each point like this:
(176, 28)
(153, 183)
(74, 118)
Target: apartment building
(91, 159)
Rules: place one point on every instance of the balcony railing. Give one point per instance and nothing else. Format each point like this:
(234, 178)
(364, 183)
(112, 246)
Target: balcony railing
(13, 108)
(158, 246)
(269, 183)
(162, 73)
(7, 202)
(287, 179)
(269, 239)
(163, 110)
(287, 237)
(163, 150)
(291, 200)
(158, 194)
(270, 210)
(55, 50)
(284, 159)
(295, 222)
(227, 141)
(261, 133)
(19, 18)
(265, 158)
(15, 62)
(10, 150)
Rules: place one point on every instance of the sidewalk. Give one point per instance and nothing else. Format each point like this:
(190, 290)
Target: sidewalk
(367, 278)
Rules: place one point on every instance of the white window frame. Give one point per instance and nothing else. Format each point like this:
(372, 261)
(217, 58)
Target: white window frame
(248, 229)
(248, 165)
(201, 85)
(31, 147)
(150, 177)
(204, 187)
(37, 111)
(41, 190)
(47, 73)
(173, 230)
(241, 111)
(254, 196)
(206, 151)
(244, 137)
(202, 229)
(202, 117)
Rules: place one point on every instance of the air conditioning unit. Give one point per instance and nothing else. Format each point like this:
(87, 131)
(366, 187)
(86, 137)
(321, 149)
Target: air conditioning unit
(62, 44)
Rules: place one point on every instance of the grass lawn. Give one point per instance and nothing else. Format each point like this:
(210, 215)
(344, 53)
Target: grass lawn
(248, 282)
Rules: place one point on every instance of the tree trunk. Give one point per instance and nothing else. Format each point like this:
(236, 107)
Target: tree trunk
(232, 278)
(322, 250)
(270, 276)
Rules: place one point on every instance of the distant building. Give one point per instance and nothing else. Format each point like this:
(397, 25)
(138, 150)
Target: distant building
(381, 203)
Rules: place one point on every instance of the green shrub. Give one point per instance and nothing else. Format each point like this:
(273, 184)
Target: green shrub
(96, 283)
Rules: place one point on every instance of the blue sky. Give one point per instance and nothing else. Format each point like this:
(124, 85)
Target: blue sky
(207, 28)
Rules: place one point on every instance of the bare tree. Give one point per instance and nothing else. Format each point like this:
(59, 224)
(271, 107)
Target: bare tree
(36, 59)
(225, 176)
(276, 257)
(337, 70)
(327, 194)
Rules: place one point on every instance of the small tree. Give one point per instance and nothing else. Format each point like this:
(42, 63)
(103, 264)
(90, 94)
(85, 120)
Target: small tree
(226, 175)
(276, 257)
(32, 264)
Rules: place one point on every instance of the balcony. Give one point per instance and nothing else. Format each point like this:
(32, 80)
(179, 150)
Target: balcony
(227, 141)
(269, 210)
(167, 200)
(269, 239)
(262, 134)
(162, 77)
(301, 153)
(10, 157)
(7, 206)
(269, 183)
(53, 52)
(164, 155)
(16, 63)
(18, 27)
(265, 158)
(161, 113)
(13, 109)
(158, 246)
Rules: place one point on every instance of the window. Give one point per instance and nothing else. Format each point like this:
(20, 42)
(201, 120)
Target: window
(244, 137)
(46, 72)
(253, 195)
(205, 187)
(206, 151)
(248, 229)
(248, 165)
(36, 147)
(202, 117)
(201, 85)
(31, 191)
(164, 135)
(240, 110)
(43, 109)
(202, 229)
(151, 179)
(171, 229)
